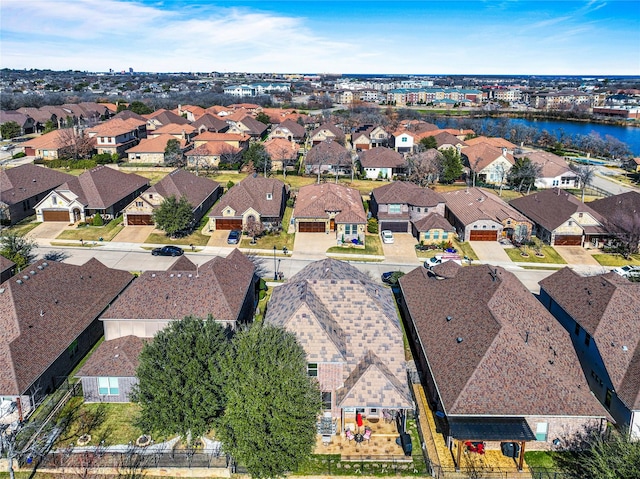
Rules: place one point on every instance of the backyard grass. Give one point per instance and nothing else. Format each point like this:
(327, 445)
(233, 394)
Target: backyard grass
(550, 256)
(372, 246)
(539, 459)
(94, 233)
(117, 427)
(24, 226)
(607, 259)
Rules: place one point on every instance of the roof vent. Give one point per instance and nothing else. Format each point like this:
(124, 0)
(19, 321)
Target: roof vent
(625, 349)
(32, 272)
(40, 267)
(1, 290)
(153, 275)
(179, 275)
(45, 264)
(458, 340)
(449, 318)
(116, 356)
(171, 275)
(19, 281)
(55, 301)
(190, 275)
(25, 277)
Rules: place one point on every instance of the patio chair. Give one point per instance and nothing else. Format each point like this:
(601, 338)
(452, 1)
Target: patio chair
(349, 434)
(367, 434)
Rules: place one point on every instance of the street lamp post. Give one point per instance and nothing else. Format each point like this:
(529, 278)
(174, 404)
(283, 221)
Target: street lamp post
(275, 265)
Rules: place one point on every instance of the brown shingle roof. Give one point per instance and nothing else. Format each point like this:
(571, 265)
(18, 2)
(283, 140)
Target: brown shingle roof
(608, 308)
(156, 144)
(28, 180)
(211, 123)
(381, 157)
(482, 155)
(492, 347)
(218, 287)
(551, 208)
(340, 316)
(47, 312)
(183, 264)
(297, 130)
(621, 210)
(115, 358)
(328, 153)
(102, 187)
(404, 192)
(473, 204)
(165, 117)
(180, 183)
(315, 201)
(433, 221)
(252, 193)
(329, 128)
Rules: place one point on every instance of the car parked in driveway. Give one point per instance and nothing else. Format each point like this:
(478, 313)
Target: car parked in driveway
(387, 236)
(628, 271)
(167, 251)
(234, 237)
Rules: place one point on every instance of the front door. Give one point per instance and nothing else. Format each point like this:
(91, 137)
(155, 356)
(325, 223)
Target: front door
(332, 224)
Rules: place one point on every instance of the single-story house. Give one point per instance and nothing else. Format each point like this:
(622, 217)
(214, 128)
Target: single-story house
(211, 154)
(602, 315)
(283, 153)
(151, 150)
(330, 207)
(101, 190)
(162, 117)
(201, 193)
(53, 145)
(561, 219)
(327, 132)
(224, 288)
(381, 163)
(621, 215)
(253, 199)
(554, 170)
(399, 205)
(49, 318)
(109, 374)
(433, 229)
(350, 331)
(22, 187)
(495, 365)
(481, 216)
(24, 121)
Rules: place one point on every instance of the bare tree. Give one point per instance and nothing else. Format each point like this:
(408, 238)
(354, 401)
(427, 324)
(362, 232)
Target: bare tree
(424, 167)
(254, 228)
(74, 143)
(625, 228)
(585, 174)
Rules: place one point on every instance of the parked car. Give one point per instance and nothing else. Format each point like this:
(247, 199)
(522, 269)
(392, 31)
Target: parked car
(234, 237)
(441, 258)
(628, 271)
(392, 277)
(7, 147)
(387, 236)
(167, 251)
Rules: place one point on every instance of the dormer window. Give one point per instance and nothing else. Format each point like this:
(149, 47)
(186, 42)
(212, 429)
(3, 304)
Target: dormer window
(269, 196)
(54, 200)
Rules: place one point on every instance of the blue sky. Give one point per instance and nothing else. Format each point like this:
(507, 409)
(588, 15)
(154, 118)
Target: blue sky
(589, 37)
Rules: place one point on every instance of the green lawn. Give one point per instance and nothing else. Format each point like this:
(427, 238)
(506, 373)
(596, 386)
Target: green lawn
(606, 259)
(539, 459)
(94, 233)
(550, 256)
(196, 238)
(372, 246)
(279, 240)
(24, 226)
(464, 249)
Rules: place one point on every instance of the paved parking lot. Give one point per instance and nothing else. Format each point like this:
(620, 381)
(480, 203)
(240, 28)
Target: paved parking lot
(402, 250)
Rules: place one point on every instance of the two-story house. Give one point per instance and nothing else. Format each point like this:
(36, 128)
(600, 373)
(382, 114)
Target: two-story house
(116, 136)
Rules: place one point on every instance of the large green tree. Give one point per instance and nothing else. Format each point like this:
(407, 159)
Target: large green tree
(590, 454)
(263, 118)
(140, 108)
(173, 215)
(523, 174)
(173, 153)
(257, 155)
(18, 249)
(428, 142)
(269, 424)
(451, 165)
(181, 379)
(10, 129)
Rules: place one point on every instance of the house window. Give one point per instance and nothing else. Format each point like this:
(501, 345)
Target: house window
(312, 370)
(418, 209)
(445, 235)
(587, 339)
(555, 183)
(150, 196)
(427, 235)
(326, 400)
(404, 139)
(436, 235)
(580, 215)
(139, 204)
(608, 397)
(108, 386)
(576, 331)
(542, 429)
(350, 229)
(395, 209)
(54, 200)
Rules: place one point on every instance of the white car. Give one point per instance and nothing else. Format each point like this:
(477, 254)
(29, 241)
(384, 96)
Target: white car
(628, 270)
(387, 236)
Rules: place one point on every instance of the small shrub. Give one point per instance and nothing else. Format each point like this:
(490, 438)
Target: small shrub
(290, 202)
(20, 154)
(230, 184)
(372, 226)
(262, 294)
(97, 220)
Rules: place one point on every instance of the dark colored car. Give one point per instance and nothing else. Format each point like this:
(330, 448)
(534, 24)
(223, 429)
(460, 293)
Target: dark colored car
(391, 277)
(167, 251)
(234, 237)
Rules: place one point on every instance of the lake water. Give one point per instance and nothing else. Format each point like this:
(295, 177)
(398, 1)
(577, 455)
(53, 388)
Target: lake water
(626, 134)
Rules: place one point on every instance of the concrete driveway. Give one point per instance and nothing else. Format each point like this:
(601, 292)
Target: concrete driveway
(47, 230)
(313, 245)
(402, 250)
(490, 252)
(576, 255)
(219, 238)
(133, 234)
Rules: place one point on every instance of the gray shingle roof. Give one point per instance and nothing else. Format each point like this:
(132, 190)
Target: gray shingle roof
(473, 204)
(252, 193)
(381, 157)
(42, 315)
(180, 183)
(115, 358)
(26, 181)
(492, 347)
(404, 192)
(314, 201)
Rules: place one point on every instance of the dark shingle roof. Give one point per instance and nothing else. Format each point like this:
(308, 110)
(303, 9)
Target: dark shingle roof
(180, 183)
(492, 347)
(404, 192)
(433, 221)
(473, 204)
(328, 153)
(381, 157)
(252, 193)
(622, 210)
(315, 201)
(26, 181)
(608, 308)
(46, 312)
(115, 358)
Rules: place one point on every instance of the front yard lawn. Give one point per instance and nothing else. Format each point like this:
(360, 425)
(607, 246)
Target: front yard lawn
(464, 249)
(372, 246)
(550, 255)
(279, 240)
(606, 259)
(196, 238)
(24, 226)
(93, 233)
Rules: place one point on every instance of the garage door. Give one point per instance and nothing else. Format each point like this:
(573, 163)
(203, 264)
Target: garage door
(138, 220)
(228, 224)
(311, 227)
(55, 215)
(567, 240)
(484, 236)
(395, 226)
